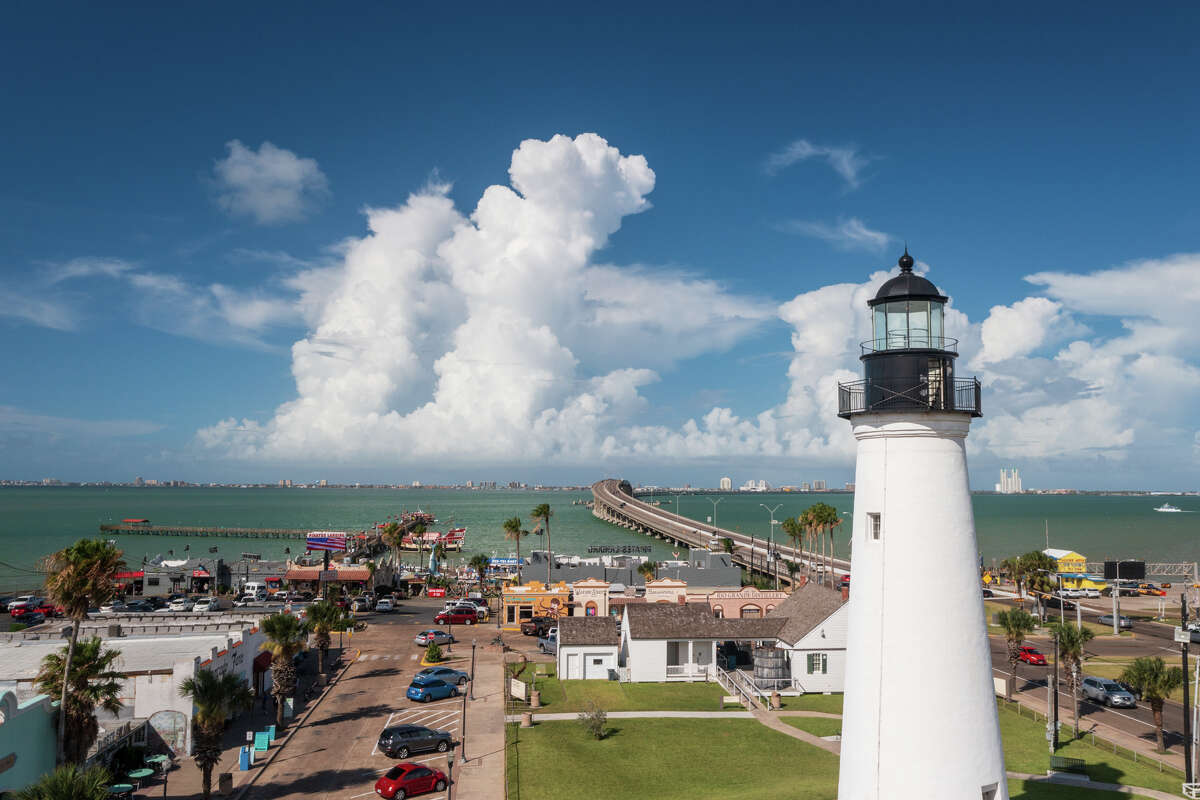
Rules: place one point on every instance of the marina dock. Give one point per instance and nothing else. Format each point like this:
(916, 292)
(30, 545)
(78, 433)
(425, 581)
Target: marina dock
(206, 530)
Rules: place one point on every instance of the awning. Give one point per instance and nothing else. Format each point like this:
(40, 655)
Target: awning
(200, 573)
(262, 661)
(128, 575)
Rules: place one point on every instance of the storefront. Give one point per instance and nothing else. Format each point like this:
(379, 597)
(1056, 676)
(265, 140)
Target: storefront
(534, 599)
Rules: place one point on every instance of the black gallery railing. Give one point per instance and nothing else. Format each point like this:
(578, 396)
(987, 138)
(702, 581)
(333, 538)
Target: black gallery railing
(891, 395)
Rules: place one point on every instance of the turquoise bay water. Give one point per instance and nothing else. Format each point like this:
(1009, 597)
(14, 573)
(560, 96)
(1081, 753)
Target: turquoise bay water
(37, 521)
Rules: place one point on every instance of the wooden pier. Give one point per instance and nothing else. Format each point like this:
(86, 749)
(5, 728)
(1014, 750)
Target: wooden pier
(206, 530)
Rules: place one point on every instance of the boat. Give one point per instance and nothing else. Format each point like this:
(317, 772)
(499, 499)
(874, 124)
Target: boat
(1168, 508)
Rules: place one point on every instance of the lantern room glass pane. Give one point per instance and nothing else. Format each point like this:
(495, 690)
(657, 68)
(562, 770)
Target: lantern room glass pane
(897, 325)
(918, 323)
(935, 324)
(879, 328)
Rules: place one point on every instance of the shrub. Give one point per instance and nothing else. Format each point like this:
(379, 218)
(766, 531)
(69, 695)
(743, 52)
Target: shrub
(433, 653)
(594, 720)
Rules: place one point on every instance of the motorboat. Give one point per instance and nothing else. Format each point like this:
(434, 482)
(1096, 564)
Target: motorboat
(1168, 508)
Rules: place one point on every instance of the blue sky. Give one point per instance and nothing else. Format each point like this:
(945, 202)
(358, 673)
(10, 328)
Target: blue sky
(187, 196)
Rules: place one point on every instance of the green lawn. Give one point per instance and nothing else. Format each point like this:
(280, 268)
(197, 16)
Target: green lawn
(564, 696)
(829, 703)
(670, 759)
(1034, 790)
(1025, 751)
(817, 726)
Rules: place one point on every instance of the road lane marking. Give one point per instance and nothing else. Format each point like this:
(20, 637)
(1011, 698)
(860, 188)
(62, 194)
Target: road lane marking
(375, 749)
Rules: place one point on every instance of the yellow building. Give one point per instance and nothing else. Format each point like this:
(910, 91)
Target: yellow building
(1067, 560)
(535, 599)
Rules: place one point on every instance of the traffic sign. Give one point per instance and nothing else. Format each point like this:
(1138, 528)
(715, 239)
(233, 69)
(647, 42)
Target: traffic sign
(1182, 636)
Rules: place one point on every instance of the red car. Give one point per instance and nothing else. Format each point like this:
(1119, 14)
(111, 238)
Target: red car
(49, 609)
(1030, 655)
(405, 780)
(456, 617)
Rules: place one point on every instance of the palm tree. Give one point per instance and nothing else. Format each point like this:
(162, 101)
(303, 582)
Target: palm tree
(792, 568)
(807, 525)
(1151, 676)
(418, 534)
(69, 782)
(215, 698)
(1040, 571)
(1017, 623)
(286, 636)
(1071, 641)
(1015, 571)
(91, 684)
(824, 518)
(513, 532)
(794, 529)
(479, 562)
(393, 537)
(727, 545)
(542, 515)
(78, 577)
(648, 570)
(323, 618)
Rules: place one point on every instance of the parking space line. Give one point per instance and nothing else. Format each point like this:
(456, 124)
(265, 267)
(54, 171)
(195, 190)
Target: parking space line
(375, 749)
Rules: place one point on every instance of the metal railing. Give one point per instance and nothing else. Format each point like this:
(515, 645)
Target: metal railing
(909, 340)
(891, 395)
(687, 671)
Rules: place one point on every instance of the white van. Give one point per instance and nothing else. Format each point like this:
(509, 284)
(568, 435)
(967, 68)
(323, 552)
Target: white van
(259, 590)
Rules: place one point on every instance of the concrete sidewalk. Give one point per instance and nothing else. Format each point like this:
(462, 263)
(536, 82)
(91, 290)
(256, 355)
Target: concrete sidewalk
(483, 743)
(574, 715)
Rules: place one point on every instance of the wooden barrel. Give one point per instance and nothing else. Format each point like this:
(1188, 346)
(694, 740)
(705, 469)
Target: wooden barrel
(770, 664)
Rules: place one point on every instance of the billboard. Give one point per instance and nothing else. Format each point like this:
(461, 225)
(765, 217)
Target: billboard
(326, 540)
(1125, 570)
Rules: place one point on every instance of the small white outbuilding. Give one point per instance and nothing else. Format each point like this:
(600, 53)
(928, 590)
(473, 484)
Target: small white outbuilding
(588, 648)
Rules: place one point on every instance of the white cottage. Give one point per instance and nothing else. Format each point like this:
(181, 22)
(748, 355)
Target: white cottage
(678, 642)
(588, 648)
(813, 637)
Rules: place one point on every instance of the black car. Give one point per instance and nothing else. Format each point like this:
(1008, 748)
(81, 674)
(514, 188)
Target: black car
(399, 741)
(140, 607)
(1051, 601)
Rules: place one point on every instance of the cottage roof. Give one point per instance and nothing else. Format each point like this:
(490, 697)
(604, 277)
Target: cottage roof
(805, 609)
(673, 621)
(588, 630)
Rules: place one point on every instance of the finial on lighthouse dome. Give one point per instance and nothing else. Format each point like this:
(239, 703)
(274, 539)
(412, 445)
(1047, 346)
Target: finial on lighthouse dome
(906, 261)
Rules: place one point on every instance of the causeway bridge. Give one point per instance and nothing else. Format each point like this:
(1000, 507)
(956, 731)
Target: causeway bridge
(613, 502)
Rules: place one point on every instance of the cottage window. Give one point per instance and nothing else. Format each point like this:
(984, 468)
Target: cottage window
(874, 526)
(818, 663)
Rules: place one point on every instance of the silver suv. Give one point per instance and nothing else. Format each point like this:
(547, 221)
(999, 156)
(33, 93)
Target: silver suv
(1107, 693)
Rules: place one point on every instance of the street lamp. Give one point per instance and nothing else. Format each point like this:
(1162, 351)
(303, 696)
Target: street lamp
(715, 503)
(771, 543)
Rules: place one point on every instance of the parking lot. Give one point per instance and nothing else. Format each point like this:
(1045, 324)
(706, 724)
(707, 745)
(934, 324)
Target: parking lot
(336, 755)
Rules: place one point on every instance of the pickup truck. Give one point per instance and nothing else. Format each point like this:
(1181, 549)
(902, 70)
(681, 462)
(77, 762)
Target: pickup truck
(537, 626)
(549, 642)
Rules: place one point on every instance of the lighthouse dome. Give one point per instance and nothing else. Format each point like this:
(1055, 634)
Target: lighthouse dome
(907, 284)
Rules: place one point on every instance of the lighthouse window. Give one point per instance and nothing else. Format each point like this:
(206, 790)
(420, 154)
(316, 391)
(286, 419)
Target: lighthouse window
(874, 526)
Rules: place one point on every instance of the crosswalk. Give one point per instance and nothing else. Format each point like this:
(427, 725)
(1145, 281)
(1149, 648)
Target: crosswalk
(389, 657)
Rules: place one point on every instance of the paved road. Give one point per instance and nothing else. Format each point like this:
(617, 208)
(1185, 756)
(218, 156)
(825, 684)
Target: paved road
(1137, 722)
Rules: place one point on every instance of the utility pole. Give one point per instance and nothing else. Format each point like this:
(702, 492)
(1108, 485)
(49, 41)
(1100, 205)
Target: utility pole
(771, 544)
(715, 503)
(1116, 595)
(1187, 721)
(1052, 703)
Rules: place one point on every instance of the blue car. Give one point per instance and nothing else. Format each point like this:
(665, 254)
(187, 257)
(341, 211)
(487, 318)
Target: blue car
(430, 689)
(454, 676)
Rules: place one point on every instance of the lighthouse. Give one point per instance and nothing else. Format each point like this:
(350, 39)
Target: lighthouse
(920, 711)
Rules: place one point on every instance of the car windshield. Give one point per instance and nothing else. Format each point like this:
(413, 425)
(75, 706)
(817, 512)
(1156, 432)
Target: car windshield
(1112, 687)
(394, 773)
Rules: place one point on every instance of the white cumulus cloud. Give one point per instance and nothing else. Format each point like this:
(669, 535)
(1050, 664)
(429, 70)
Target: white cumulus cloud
(491, 336)
(271, 185)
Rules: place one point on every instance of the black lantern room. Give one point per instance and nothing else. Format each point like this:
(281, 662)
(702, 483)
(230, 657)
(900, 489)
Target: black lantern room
(908, 363)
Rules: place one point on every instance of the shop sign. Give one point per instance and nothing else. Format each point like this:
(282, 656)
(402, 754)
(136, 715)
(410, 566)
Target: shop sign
(436, 592)
(200, 573)
(619, 549)
(517, 688)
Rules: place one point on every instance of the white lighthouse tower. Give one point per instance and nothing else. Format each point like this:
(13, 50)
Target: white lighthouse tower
(920, 714)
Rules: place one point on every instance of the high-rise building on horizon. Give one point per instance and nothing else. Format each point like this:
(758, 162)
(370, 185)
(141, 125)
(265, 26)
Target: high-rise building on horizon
(726, 484)
(910, 417)
(1010, 482)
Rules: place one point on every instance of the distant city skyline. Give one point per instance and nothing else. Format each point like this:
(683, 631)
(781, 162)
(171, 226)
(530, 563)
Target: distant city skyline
(343, 254)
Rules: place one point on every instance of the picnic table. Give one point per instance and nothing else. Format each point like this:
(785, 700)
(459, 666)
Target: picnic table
(121, 789)
(139, 775)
